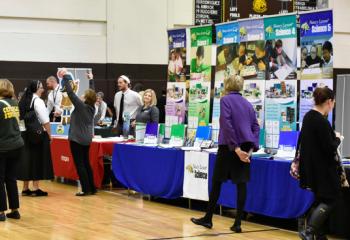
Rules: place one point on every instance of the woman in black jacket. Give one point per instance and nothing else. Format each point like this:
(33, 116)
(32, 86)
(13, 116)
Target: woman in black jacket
(11, 146)
(319, 170)
(81, 133)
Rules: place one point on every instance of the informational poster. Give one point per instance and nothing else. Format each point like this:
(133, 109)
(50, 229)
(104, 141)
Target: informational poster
(237, 9)
(316, 32)
(177, 55)
(175, 105)
(227, 61)
(196, 172)
(281, 46)
(208, 12)
(253, 59)
(201, 48)
(280, 109)
(254, 92)
(307, 88)
(309, 5)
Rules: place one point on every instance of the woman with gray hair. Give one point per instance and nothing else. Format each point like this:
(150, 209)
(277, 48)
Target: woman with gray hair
(100, 108)
(238, 137)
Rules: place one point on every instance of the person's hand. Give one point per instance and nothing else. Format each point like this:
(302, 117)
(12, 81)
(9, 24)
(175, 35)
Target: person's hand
(133, 123)
(337, 134)
(90, 75)
(243, 156)
(57, 114)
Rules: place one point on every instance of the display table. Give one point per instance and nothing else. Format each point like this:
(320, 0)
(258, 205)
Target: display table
(104, 132)
(63, 164)
(160, 172)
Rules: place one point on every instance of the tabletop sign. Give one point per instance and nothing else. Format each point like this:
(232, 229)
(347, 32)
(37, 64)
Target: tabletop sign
(208, 12)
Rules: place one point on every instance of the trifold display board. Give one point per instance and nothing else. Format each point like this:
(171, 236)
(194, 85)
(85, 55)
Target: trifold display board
(264, 52)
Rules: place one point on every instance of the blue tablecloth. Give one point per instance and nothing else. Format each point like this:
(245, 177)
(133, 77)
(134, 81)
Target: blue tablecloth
(160, 172)
(149, 170)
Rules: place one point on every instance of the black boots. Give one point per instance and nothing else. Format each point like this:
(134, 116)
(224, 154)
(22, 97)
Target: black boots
(204, 221)
(314, 229)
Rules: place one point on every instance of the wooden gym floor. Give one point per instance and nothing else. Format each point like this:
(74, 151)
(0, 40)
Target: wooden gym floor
(114, 215)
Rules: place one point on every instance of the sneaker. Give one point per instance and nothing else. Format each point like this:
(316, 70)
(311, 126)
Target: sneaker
(14, 215)
(81, 194)
(2, 217)
(39, 193)
(27, 192)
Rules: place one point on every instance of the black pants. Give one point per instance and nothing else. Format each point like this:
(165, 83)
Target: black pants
(214, 196)
(8, 177)
(82, 163)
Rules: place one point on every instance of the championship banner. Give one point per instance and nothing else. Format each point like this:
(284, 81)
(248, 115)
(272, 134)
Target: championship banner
(253, 58)
(177, 55)
(201, 48)
(316, 32)
(280, 110)
(227, 64)
(196, 172)
(281, 46)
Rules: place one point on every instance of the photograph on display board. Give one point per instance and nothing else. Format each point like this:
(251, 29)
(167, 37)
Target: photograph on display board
(254, 92)
(201, 49)
(316, 51)
(175, 103)
(177, 55)
(307, 88)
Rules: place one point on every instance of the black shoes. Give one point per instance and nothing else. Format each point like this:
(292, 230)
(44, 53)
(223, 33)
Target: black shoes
(27, 192)
(39, 193)
(236, 228)
(14, 215)
(202, 222)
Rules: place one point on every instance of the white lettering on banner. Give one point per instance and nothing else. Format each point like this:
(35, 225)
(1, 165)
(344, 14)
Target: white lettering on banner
(195, 185)
(228, 40)
(202, 42)
(283, 32)
(64, 159)
(318, 29)
(179, 45)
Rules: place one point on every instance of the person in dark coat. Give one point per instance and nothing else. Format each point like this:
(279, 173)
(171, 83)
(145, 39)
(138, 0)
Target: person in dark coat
(238, 137)
(318, 169)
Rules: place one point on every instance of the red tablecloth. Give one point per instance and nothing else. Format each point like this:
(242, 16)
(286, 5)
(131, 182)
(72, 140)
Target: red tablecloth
(63, 163)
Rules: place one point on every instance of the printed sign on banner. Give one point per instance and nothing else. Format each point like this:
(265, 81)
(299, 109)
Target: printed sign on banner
(177, 55)
(280, 109)
(195, 185)
(316, 31)
(281, 46)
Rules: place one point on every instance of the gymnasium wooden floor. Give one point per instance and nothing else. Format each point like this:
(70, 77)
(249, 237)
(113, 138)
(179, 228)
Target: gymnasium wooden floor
(114, 215)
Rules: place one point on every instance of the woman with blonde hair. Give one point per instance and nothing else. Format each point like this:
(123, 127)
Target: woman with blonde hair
(11, 147)
(149, 111)
(238, 137)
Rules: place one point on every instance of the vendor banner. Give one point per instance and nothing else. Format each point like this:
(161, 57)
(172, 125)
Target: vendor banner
(196, 172)
(281, 46)
(177, 55)
(316, 32)
(253, 58)
(201, 48)
(280, 110)
(175, 105)
(227, 62)
(307, 88)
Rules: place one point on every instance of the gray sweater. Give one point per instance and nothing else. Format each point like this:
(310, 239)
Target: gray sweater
(146, 115)
(82, 120)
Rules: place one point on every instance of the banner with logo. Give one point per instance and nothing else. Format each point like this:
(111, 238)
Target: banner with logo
(227, 63)
(281, 46)
(201, 48)
(177, 55)
(316, 32)
(195, 185)
(280, 109)
(307, 88)
(253, 58)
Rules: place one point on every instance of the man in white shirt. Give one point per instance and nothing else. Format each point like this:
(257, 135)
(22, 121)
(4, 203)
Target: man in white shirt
(101, 108)
(54, 99)
(126, 103)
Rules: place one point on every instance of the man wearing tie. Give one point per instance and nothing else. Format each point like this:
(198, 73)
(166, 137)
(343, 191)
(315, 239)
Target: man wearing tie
(126, 103)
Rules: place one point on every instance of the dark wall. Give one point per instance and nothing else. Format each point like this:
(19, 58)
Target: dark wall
(105, 75)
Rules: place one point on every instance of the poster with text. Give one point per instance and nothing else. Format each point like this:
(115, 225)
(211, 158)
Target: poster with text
(253, 59)
(254, 92)
(175, 105)
(199, 106)
(316, 32)
(201, 48)
(226, 65)
(280, 109)
(177, 55)
(281, 46)
(307, 88)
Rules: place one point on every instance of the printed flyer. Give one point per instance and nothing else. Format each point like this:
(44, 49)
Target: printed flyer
(280, 109)
(177, 55)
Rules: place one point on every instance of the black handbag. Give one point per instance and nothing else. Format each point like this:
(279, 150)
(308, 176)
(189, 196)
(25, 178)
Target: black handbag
(35, 131)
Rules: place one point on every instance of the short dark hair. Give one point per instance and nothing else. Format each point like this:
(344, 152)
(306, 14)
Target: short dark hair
(278, 43)
(322, 94)
(327, 45)
(200, 51)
